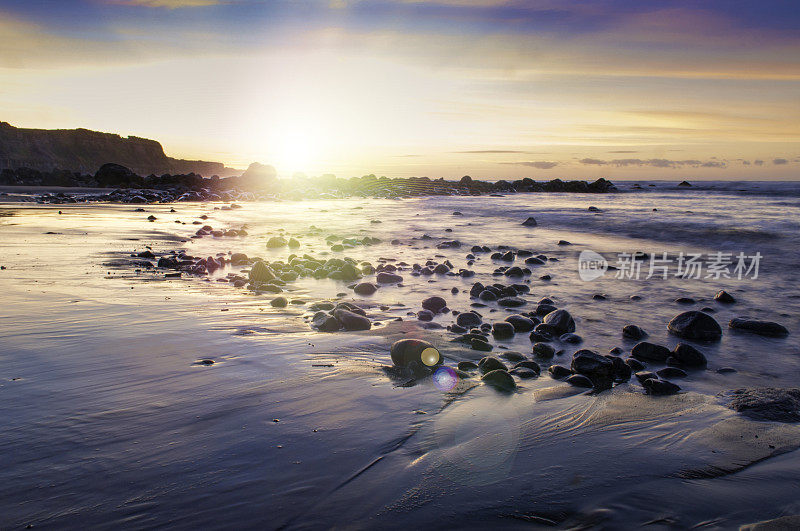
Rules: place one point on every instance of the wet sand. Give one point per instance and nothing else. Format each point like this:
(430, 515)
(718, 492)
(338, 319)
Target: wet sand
(111, 420)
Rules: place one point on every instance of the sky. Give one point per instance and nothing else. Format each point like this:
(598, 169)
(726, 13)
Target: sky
(622, 89)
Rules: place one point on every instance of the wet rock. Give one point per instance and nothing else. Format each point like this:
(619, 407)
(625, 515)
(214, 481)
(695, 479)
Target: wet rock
(572, 339)
(724, 297)
(660, 387)
(762, 328)
(511, 302)
(523, 372)
(564, 242)
(645, 375)
(545, 308)
(597, 368)
(434, 304)
(352, 321)
(579, 380)
(558, 371)
(502, 330)
(646, 351)
(766, 403)
(726, 370)
(261, 273)
(365, 288)
(293, 243)
(696, 326)
(521, 323)
(500, 380)
(487, 296)
(616, 351)
(634, 364)
(530, 222)
(685, 300)
(543, 350)
(467, 366)
(279, 302)
(425, 315)
(688, 355)
(534, 260)
(406, 351)
(512, 355)
(388, 278)
(326, 323)
(561, 321)
(276, 242)
(633, 332)
(480, 345)
(529, 365)
(468, 319)
(621, 370)
(490, 363)
(671, 372)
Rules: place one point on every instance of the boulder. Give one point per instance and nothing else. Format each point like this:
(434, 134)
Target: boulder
(766, 403)
(500, 380)
(561, 321)
(434, 304)
(646, 351)
(762, 328)
(406, 351)
(688, 355)
(597, 368)
(530, 222)
(260, 272)
(696, 326)
(351, 321)
(468, 319)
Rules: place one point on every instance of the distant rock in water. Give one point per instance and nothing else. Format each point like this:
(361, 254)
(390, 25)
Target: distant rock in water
(685, 184)
(724, 297)
(762, 328)
(530, 222)
(258, 176)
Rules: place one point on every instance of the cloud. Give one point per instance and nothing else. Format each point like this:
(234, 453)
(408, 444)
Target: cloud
(779, 162)
(485, 151)
(538, 164)
(655, 163)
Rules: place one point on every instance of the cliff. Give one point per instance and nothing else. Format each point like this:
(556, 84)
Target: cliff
(85, 151)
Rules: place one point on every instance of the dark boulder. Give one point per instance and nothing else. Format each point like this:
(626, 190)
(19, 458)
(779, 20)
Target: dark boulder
(724, 297)
(597, 368)
(405, 351)
(521, 323)
(490, 363)
(365, 288)
(500, 380)
(388, 278)
(650, 352)
(762, 328)
(561, 321)
(657, 387)
(633, 332)
(434, 304)
(502, 330)
(352, 321)
(688, 355)
(468, 319)
(694, 325)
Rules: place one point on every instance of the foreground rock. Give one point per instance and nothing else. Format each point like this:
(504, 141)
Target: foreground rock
(500, 380)
(766, 403)
(762, 328)
(406, 351)
(595, 367)
(694, 325)
(561, 321)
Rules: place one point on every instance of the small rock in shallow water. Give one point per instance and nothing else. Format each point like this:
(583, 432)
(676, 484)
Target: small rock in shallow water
(543, 350)
(500, 380)
(724, 297)
(388, 278)
(528, 364)
(511, 302)
(279, 302)
(762, 328)
(521, 323)
(467, 366)
(365, 288)
(352, 321)
(671, 372)
(573, 339)
(405, 351)
(468, 319)
(559, 371)
(530, 222)
(634, 364)
(696, 326)
(599, 369)
(579, 380)
(561, 321)
(650, 352)
(726, 370)
(502, 330)
(490, 363)
(633, 332)
(425, 315)
(688, 355)
(434, 304)
(660, 387)
(523, 372)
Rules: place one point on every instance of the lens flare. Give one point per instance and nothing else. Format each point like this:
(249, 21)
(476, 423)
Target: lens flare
(430, 356)
(445, 378)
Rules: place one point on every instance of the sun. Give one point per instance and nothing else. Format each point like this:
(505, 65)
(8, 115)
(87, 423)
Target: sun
(297, 148)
